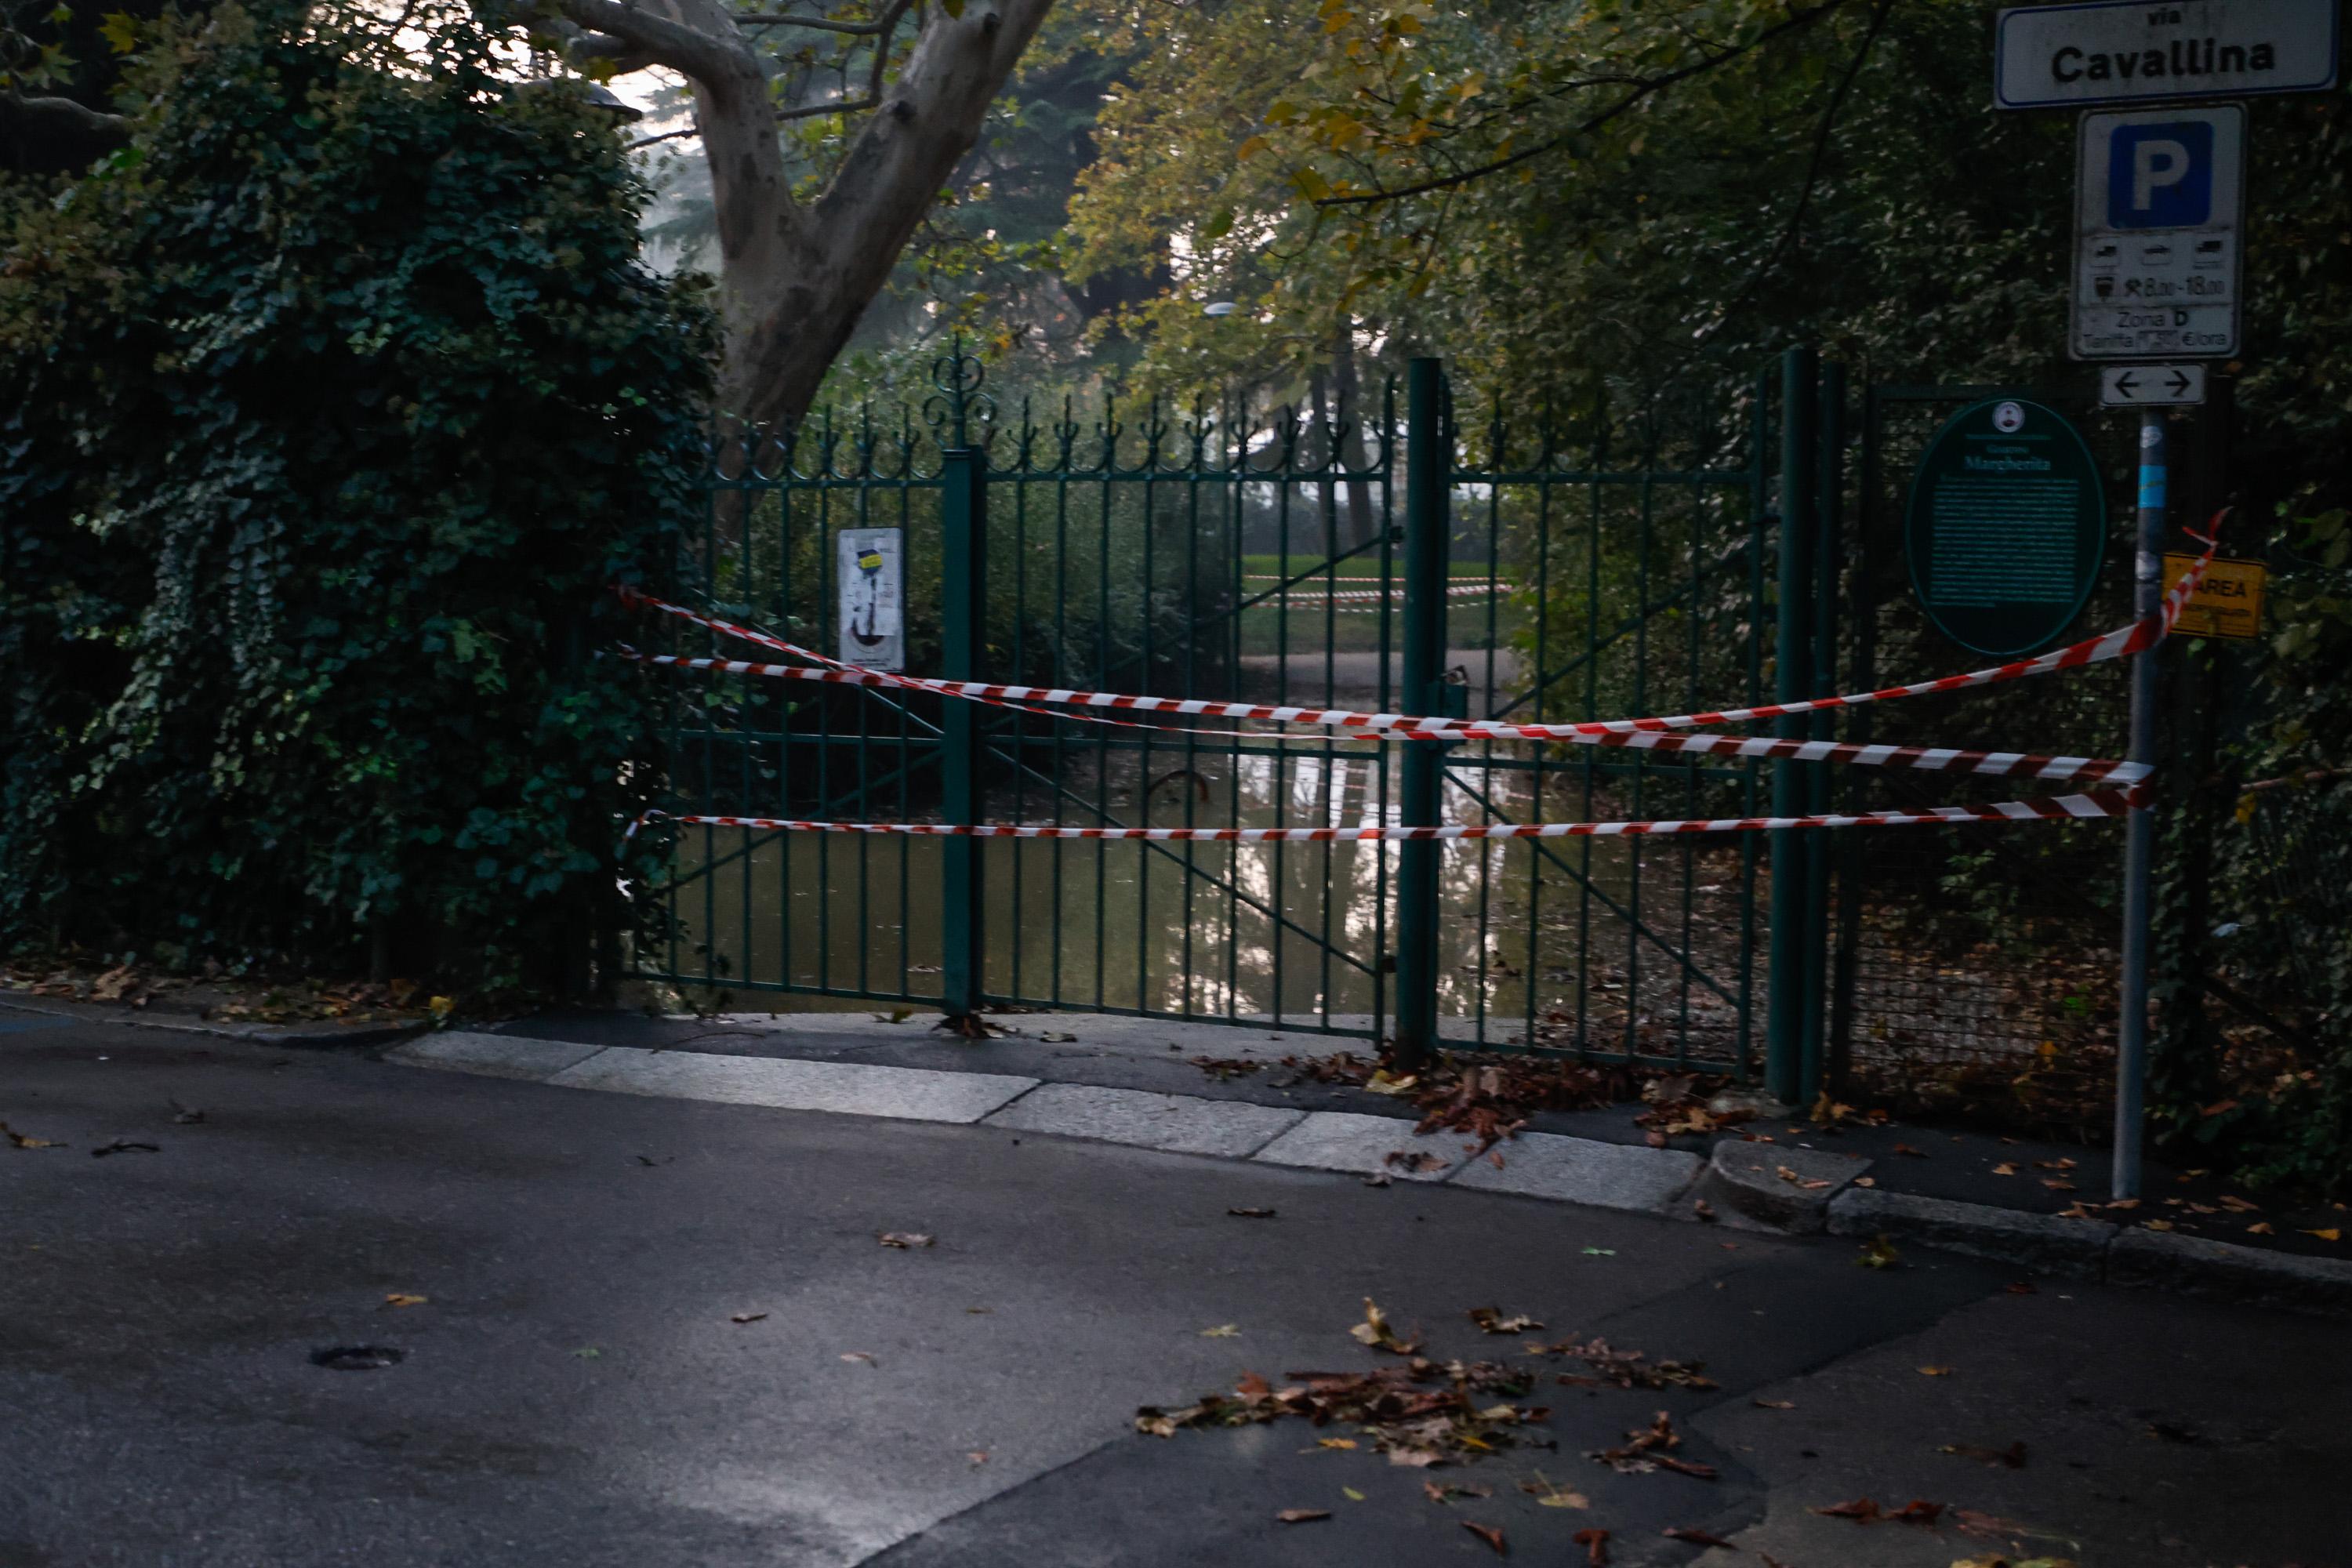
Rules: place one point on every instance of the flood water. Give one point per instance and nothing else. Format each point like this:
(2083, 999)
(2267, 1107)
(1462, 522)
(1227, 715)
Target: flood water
(1603, 943)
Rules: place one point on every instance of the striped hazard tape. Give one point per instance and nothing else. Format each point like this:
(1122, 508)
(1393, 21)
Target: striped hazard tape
(2065, 807)
(2120, 643)
(2020, 765)
(1662, 733)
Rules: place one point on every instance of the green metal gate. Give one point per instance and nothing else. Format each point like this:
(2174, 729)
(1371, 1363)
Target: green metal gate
(1415, 554)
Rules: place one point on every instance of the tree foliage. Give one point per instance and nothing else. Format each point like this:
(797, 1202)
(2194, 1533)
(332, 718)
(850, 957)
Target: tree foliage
(330, 406)
(1625, 203)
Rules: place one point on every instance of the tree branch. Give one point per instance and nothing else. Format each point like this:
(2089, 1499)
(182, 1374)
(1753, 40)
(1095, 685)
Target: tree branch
(885, 27)
(52, 135)
(811, 110)
(1647, 88)
(1789, 231)
(856, 29)
(709, 61)
(1821, 138)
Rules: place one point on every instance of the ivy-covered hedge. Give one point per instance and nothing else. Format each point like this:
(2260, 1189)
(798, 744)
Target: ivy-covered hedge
(328, 410)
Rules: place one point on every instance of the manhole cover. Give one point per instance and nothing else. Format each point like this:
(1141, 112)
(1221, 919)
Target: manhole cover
(357, 1358)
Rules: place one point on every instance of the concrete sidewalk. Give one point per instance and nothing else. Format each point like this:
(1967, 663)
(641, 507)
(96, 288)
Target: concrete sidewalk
(1135, 1080)
(574, 1387)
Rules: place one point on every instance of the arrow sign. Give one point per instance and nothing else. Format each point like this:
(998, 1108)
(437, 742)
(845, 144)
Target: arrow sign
(2151, 385)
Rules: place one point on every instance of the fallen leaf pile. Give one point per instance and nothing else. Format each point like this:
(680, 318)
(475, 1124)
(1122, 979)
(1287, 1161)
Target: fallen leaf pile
(1419, 1412)
(1486, 1098)
(219, 994)
(1652, 1447)
(1625, 1369)
(1490, 1320)
(1677, 1107)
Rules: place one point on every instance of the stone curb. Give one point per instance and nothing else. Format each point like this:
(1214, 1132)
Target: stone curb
(2073, 1248)
(2097, 1250)
(2197, 1266)
(299, 1036)
(1777, 1187)
(1754, 1186)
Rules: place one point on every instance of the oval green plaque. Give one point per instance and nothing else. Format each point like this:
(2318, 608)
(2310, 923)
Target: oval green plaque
(2007, 527)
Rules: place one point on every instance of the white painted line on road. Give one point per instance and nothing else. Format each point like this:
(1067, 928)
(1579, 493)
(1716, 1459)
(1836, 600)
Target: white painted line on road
(854, 1089)
(1177, 1123)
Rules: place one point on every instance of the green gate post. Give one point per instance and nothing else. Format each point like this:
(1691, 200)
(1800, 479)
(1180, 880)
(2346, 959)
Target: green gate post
(963, 560)
(1829, 495)
(1784, 1026)
(1429, 463)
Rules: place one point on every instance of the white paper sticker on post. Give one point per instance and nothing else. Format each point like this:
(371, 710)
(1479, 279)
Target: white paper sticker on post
(871, 592)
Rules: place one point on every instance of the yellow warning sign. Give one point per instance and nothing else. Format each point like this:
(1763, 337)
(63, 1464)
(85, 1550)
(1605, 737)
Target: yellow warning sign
(2228, 603)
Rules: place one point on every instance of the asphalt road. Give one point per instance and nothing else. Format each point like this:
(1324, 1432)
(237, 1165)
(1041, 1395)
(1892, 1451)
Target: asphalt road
(572, 1389)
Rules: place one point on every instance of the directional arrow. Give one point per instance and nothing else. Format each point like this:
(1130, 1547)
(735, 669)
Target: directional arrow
(2151, 385)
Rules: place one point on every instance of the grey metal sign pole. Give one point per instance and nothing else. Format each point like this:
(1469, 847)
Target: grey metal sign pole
(2140, 840)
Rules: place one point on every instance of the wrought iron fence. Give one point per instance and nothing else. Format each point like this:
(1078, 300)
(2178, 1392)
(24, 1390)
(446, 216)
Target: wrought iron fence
(1534, 569)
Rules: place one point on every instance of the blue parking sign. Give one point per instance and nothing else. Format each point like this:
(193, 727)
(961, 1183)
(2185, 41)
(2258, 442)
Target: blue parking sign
(2161, 175)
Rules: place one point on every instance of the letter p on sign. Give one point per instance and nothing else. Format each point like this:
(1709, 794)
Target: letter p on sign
(2160, 176)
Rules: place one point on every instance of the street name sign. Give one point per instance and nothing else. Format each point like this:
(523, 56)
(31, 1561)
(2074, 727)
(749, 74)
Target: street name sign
(2006, 527)
(2158, 199)
(2227, 604)
(2151, 385)
(2129, 51)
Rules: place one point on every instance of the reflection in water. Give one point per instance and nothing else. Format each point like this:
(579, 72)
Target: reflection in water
(1601, 942)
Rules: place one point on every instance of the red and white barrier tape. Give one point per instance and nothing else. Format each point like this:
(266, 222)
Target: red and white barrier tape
(2020, 765)
(2117, 643)
(2096, 802)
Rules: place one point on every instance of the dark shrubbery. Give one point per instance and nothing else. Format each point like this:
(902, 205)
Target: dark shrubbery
(328, 410)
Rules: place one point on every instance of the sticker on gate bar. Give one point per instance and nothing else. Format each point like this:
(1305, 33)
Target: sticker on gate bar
(871, 594)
